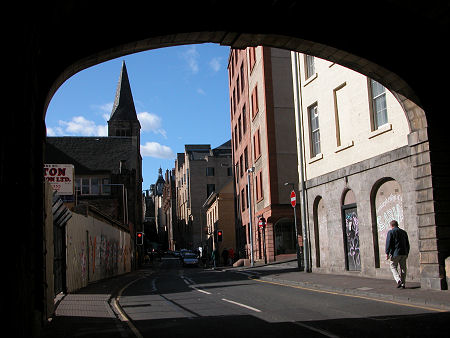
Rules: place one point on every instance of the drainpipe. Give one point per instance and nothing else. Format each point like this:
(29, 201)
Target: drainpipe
(300, 155)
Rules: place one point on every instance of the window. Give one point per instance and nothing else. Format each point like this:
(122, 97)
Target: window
(95, 186)
(256, 145)
(314, 129)
(309, 66)
(85, 186)
(210, 188)
(210, 171)
(258, 185)
(239, 128)
(379, 108)
(242, 76)
(252, 57)
(92, 186)
(242, 199)
(244, 119)
(254, 98)
(106, 188)
(234, 100)
(241, 166)
(238, 91)
(236, 137)
(246, 158)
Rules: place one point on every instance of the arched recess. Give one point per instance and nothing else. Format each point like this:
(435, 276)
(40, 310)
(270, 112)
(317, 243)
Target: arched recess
(386, 205)
(320, 231)
(350, 231)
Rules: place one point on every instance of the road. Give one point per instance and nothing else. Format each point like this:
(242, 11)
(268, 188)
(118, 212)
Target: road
(174, 301)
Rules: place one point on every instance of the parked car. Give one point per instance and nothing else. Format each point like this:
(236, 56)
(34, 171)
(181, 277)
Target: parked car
(189, 259)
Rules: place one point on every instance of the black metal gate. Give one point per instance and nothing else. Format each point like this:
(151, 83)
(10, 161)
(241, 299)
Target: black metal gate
(351, 237)
(59, 260)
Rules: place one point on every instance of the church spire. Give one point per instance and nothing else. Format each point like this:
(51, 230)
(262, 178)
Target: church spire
(123, 120)
(123, 108)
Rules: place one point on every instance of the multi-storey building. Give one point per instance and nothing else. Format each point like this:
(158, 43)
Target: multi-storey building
(169, 209)
(220, 220)
(264, 140)
(358, 168)
(199, 171)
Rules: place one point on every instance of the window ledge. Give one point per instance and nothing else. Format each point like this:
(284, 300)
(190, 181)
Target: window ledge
(384, 128)
(344, 146)
(315, 158)
(310, 79)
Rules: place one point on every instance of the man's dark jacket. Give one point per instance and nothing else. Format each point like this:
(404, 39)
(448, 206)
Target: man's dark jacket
(397, 242)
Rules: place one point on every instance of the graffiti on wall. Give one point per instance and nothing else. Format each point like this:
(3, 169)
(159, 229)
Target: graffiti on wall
(352, 239)
(388, 210)
(388, 207)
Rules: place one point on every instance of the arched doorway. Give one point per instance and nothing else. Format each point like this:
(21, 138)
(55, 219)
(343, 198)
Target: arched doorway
(284, 234)
(350, 225)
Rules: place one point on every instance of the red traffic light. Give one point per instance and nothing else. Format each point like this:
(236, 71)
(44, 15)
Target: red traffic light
(139, 234)
(219, 233)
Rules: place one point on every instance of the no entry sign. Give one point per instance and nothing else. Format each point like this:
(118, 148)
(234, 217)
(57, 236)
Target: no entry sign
(293, 199)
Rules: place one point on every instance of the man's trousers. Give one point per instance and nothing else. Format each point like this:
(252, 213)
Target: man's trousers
(394, 263)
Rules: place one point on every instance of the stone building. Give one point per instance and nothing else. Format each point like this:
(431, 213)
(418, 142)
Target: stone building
(199, 172)
(263, 134)
(169, 209)
(358, 168)
(220, 216)
(108, 170)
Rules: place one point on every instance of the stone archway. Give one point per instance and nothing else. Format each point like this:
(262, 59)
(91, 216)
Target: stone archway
(52, 41)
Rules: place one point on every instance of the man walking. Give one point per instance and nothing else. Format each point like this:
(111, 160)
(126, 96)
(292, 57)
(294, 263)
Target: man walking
(397, 250)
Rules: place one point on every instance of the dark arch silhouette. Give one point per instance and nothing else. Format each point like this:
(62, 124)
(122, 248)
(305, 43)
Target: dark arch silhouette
(46, 43)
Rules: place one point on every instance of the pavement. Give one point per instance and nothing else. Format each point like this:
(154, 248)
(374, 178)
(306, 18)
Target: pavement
(90, 310)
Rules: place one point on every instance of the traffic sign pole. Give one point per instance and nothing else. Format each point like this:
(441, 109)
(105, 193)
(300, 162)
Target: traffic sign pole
(297, 246)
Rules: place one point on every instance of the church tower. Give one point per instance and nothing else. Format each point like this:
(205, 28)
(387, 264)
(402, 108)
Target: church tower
(123, 120)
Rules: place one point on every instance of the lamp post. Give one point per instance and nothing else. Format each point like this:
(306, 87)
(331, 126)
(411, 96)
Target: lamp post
(249, 197)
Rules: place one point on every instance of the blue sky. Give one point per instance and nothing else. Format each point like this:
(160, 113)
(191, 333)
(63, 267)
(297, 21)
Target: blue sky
(180, 94)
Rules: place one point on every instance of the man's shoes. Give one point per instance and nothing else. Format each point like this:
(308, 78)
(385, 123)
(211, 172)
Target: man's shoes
(403, 285)
(399, 284)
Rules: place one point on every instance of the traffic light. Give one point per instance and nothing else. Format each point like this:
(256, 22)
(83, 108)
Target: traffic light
(139, 238)
(219, 235)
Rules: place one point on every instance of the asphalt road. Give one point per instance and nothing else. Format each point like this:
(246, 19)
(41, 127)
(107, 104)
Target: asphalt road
(176, 301)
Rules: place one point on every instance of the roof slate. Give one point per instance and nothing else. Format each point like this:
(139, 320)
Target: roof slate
(91, 154)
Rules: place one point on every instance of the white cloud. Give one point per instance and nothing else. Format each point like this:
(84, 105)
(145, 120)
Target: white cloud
(215, 63)
(79, 126)
(191, 57)
(201, 91)
(154, 149)
(151, 122)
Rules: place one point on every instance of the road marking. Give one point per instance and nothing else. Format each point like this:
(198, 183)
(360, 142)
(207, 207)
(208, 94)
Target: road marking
(353, 296)
(240, 304)
(189, 282)
(312, 328)
(200, 290)
(122, 316)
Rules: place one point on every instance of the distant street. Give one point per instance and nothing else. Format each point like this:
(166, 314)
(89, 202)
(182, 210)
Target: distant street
(173, 301)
